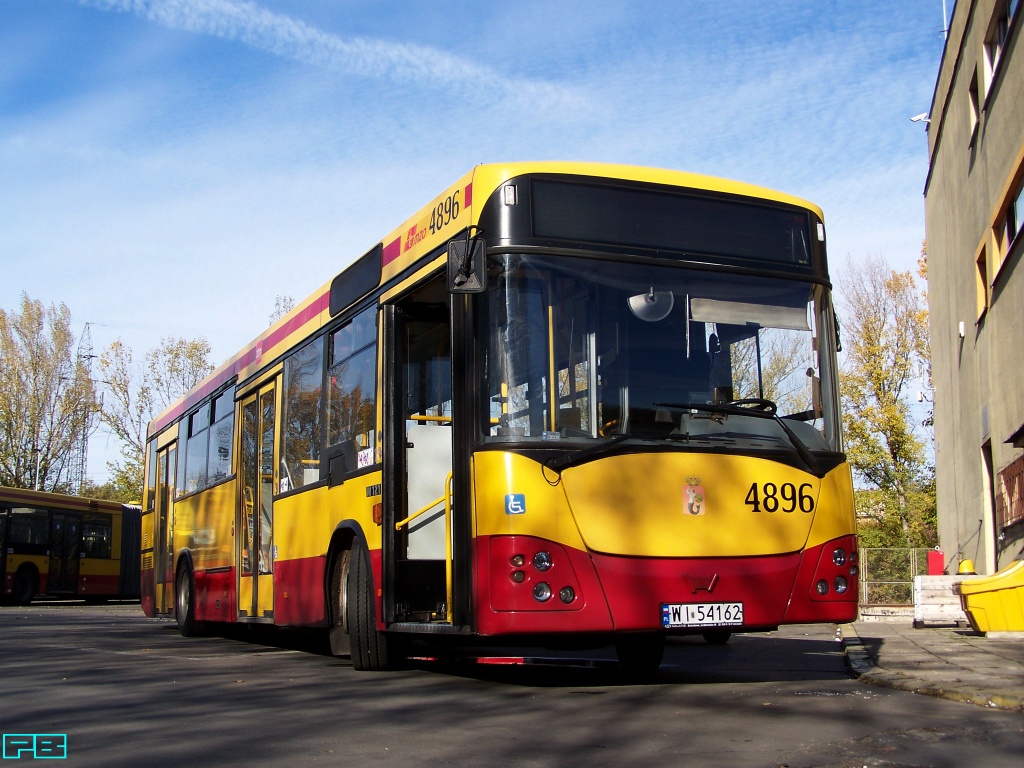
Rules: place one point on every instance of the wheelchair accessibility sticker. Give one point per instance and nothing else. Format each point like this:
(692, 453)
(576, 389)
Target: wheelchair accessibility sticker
(515, 504)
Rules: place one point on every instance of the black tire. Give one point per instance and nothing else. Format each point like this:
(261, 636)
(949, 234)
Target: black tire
(717, 637)
(368, 647)
(640, 655)
(26, 584)
(338, 609)
(185, 603)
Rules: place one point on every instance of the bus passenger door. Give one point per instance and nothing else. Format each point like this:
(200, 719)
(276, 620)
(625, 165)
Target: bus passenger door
(65, 545)
(418, 553)
(255, 539)
(163, 544)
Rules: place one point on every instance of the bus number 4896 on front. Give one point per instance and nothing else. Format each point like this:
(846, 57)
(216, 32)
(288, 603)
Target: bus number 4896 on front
(785, 497)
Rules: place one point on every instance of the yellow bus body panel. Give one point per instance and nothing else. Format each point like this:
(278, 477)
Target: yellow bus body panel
(203, 524)
(305, 522)
(640, 504)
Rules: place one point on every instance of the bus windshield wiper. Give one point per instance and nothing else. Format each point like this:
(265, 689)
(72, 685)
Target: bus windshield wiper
(758, 407)
(572, 459)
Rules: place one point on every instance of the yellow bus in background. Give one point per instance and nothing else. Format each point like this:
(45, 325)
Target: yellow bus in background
(67, 546)
(563, 404)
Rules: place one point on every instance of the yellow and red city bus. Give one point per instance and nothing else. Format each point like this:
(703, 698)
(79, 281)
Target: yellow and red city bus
(67, 546)
(564, 403)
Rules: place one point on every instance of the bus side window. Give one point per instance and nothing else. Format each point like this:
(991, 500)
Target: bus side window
(30, 528)
(352, 395)
(96, 536)
(301, 434)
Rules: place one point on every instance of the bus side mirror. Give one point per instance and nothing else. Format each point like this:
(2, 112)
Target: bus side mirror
(467, 266)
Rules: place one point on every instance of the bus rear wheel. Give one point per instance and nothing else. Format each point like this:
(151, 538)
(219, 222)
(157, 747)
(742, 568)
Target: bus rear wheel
(26, 584)
(185, 604)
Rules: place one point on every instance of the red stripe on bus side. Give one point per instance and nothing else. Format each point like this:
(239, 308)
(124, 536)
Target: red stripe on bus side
(391, 252)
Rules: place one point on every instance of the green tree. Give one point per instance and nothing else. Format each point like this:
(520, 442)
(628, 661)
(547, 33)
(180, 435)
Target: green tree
(109, 491)
(885, 349)
(47, 399)
(137, 392)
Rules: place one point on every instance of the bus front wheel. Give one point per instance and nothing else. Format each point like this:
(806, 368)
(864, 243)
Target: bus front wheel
(640, 654)
(185, 603)
(369, 648)
(717, 637)
(26, 584)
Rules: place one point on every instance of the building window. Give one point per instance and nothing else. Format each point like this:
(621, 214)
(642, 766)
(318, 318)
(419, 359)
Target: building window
(1006, 230)
(981, 281)
(1014, 213)
(975, 112)
(1010, 494)
(995, 39)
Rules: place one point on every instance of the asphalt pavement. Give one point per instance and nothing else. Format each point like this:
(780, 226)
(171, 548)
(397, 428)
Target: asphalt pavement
(949, 662)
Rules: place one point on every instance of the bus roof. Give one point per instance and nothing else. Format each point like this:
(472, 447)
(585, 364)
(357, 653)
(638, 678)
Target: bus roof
(28, 497)
(445, 215)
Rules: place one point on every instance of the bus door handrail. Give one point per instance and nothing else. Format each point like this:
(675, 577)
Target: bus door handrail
(422, 417)
(447, 499)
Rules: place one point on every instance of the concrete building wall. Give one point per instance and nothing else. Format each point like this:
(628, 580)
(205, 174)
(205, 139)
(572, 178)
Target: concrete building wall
(975, 283)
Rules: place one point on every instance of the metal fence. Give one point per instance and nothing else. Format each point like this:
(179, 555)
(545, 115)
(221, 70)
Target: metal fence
(887, 575)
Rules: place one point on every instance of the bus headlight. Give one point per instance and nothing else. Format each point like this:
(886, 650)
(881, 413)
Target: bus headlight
(542, 561)
(542, 592)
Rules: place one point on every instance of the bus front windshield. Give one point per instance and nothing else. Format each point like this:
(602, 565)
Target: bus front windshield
(584, 350)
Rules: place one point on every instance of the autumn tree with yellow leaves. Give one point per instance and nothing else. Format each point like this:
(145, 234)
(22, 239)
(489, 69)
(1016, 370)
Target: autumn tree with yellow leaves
(885, 351)
(47, 399)
(135, 392)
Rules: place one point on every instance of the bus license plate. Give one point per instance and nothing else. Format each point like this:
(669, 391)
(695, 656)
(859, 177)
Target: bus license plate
(701, 614)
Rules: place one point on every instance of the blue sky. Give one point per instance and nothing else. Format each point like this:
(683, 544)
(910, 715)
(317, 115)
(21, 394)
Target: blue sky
(169, 167)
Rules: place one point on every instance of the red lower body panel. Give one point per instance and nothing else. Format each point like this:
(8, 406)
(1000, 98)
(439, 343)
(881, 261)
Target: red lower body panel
(147, 598)
(637, 587)
(216, 599)
(620, 593)
(299, 592)
(98, 586)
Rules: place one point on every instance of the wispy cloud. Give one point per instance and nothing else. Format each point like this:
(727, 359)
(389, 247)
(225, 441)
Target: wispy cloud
(289, 38)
